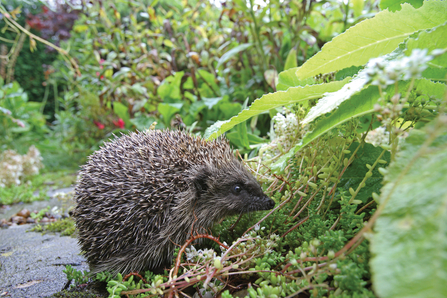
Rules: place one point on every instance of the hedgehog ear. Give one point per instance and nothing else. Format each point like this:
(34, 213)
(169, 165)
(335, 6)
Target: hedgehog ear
(200, 180)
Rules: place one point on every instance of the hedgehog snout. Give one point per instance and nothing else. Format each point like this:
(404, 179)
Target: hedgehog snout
(267, 203)
(261, 203)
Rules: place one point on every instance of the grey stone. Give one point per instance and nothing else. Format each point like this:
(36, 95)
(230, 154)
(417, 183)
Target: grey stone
(32, 264)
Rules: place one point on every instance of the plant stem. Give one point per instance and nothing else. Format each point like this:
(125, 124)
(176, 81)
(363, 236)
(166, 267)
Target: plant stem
(258, 38)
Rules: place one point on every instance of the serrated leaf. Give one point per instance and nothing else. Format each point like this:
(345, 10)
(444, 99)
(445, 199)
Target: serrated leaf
(410, 241)
(271, 101)
(347, 72)
(374, 37)
(332, 100)
(358, 105)
(394, 5)
(431, 40)
(288, 78)
(435, 73)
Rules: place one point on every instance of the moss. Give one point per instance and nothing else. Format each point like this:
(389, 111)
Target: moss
(65, 226)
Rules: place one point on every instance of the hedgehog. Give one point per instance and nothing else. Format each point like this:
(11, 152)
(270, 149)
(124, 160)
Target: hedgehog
(143, 194)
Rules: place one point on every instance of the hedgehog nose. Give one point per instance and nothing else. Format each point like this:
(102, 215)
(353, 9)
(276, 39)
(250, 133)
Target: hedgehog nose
(269, 203)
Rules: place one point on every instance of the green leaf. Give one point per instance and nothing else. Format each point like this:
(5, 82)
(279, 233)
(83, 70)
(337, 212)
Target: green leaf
(435, 73)
(410, 240)
(167, 110)
(122, 111)
(168, 43)
(291, 60)
(169, 89)
(332, 100)
(373, 37)
(143, 122)
(80, 28)
(239, 137)
(357, 7)
(347, 72)
(394, 5)
(358, 105)
(254, 139)
(288, 78)
(111, 55)
(211, 102)
(210, 79)
(362, 103)
(120, 72)
(355, 173)
(225, 57)
(274, 100)
(431, 40)
(137, 88)
(196, 107)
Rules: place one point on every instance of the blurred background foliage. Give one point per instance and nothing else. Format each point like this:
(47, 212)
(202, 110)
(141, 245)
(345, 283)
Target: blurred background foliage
(182, 64)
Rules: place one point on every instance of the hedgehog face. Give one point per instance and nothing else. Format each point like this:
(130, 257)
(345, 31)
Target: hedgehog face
(230, 190)
(246, 196)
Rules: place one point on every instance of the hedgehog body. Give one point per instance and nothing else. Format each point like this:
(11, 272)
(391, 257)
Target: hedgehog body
(142, 194)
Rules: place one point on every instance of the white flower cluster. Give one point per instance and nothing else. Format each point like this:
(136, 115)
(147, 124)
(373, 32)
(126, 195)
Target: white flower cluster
(15, 168)
(284, 125)
(199, 255)
(382, 72)
(286, 130)
(378, 136)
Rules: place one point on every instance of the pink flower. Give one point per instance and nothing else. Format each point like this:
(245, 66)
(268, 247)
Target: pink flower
(101, 77)
(99, 124)
(18, 122)
(120, 123)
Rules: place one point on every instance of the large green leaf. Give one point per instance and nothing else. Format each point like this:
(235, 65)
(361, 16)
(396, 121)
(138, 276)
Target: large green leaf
(373, 38)
(274, 100)
(431, 40)
(410, 242)
(358, 105)
(332, 100)
(394, 5)
(288, 78)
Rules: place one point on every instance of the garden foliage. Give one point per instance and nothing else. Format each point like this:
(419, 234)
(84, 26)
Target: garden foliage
(354, 156)
(393, 84)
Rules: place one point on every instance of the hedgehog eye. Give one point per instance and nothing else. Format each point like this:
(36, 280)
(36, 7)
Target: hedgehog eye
(237, 188)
